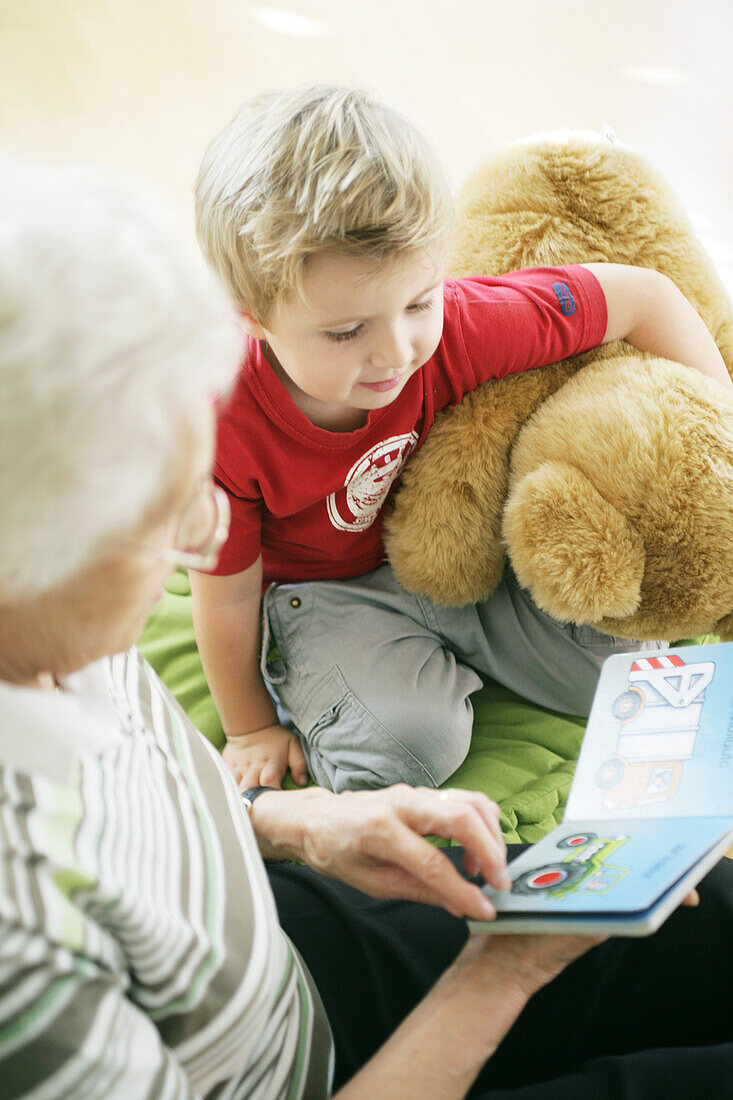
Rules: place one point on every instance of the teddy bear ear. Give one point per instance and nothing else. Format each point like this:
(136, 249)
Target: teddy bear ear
(724, 627)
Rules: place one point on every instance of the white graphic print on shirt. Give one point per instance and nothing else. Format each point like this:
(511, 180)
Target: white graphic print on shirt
(367, 483)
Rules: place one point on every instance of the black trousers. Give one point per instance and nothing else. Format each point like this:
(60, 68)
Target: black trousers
(633, 1018)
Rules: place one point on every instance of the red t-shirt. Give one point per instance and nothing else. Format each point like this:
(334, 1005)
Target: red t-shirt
(310, 500)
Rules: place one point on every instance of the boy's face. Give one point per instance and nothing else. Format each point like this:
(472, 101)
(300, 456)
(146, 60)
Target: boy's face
(363, 329)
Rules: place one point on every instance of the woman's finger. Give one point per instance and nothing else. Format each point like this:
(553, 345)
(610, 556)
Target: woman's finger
(429, 868)
(396, 882)
(449, 814)
(471, 864)
(488, 809)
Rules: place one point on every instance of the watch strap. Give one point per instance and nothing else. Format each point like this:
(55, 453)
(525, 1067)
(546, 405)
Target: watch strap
(252, 793)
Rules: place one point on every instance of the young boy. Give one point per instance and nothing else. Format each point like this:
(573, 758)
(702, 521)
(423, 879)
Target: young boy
(329, 219)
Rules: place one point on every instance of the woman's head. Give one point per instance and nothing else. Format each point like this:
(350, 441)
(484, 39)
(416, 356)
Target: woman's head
(112, 342)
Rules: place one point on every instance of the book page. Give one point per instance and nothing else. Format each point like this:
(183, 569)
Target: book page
(602, 867)
(659, 740)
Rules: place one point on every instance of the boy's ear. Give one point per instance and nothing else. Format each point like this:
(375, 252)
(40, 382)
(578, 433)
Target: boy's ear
(252, 326)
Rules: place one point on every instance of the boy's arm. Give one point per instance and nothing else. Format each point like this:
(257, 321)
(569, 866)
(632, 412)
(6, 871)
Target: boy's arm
(226, 615)
(646, 309)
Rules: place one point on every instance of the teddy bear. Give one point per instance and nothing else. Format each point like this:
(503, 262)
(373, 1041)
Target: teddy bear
(606, 479)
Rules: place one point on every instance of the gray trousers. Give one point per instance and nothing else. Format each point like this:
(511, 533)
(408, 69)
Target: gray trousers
(377, 682)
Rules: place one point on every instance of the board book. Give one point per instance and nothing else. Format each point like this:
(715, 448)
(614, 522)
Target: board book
(650, 809)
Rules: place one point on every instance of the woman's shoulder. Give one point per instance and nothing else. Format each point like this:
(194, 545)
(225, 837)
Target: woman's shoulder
(47, 732)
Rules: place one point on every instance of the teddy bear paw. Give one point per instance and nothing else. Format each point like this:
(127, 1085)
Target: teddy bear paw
(577, 555)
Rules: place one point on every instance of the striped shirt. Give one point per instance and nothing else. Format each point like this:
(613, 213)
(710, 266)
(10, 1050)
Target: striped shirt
(140, 952)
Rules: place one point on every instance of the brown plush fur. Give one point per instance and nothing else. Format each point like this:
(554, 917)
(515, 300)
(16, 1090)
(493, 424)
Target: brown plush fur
(618, 507)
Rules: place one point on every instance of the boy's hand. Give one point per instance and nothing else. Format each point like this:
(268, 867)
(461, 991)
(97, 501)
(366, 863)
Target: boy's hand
(262, 758)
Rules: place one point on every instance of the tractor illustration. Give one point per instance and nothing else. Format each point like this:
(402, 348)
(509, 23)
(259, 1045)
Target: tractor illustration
(659, 714)
(584, 868)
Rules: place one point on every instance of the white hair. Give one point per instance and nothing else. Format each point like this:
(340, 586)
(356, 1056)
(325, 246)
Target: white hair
(111, 337)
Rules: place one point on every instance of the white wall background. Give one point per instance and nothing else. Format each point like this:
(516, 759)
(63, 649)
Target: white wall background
(142, 84)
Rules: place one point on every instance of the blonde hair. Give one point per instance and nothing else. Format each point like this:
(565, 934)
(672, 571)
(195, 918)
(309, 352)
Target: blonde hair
(313, 170)
(112, 339)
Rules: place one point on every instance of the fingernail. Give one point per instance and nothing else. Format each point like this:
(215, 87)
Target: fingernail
(487, 908)
(505, 881)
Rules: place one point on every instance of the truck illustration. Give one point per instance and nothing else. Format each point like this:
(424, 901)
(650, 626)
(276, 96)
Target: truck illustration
(584, 868)
(659, 713)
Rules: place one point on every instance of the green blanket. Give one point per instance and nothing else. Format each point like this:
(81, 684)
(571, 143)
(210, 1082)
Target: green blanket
(521, 756)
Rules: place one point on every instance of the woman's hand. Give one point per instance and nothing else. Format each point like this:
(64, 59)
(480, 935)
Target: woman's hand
(374, 840)
(522, 964)
(440, 1047)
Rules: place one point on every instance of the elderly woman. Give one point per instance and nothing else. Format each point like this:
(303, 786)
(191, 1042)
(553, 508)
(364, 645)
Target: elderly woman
(141, 944)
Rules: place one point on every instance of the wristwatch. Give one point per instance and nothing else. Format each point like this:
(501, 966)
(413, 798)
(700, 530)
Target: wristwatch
(252, 793)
